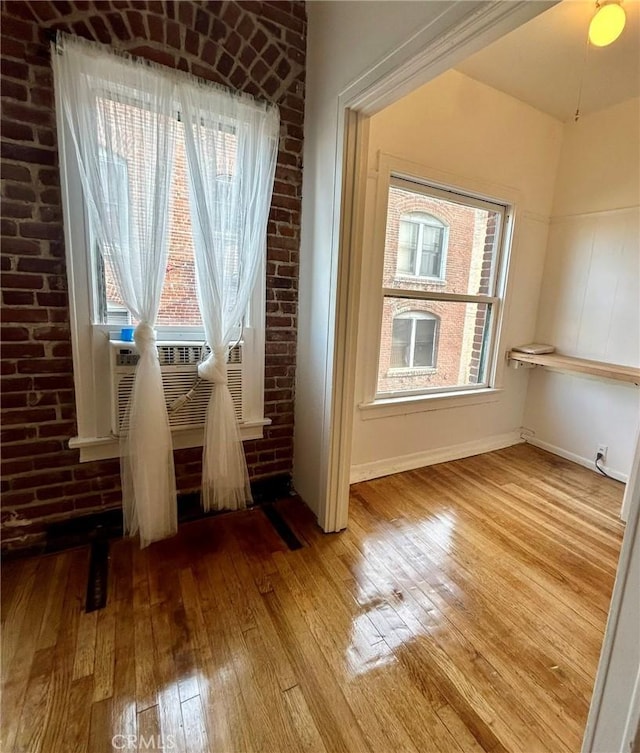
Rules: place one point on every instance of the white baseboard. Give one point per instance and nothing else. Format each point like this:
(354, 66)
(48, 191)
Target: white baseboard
(387, 466)
(586, 462)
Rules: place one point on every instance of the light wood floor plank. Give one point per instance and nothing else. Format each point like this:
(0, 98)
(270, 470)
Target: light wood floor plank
(461, 612)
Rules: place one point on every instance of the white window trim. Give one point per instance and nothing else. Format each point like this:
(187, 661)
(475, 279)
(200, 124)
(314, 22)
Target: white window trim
(441, 278)
(90, 342)
(405, 404)
(376, 405)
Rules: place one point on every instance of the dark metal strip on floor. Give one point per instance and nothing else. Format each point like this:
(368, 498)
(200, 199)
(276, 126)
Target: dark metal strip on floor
(282, 527)
(98, 580)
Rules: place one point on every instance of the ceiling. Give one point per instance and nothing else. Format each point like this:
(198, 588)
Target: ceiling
(541, 62)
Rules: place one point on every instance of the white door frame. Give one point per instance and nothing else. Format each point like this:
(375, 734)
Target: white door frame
(421, 58)
(614, 713)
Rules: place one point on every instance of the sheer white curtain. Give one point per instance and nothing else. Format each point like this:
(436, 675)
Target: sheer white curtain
(232, 144)
(122, 118)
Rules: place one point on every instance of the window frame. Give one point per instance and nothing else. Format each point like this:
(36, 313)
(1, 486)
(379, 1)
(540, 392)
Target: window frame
(414, 316)
(448, 185)
(415, 275)
(90, 340)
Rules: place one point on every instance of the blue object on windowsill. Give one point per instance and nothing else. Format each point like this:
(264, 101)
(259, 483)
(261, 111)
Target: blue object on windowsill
(126, 334)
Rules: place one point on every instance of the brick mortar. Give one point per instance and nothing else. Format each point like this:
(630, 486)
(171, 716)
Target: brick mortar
(255, 47)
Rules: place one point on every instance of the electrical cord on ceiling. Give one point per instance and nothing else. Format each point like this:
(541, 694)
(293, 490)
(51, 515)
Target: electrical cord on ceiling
(576, 117)
(598, 459)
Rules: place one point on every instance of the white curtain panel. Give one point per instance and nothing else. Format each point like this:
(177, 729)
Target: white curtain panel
(232, 145)
(122, 117)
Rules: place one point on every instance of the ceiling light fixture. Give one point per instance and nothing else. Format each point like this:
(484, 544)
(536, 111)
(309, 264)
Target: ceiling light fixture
(607, 24)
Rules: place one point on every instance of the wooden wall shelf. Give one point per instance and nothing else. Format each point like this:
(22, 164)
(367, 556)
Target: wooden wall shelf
(599, 369)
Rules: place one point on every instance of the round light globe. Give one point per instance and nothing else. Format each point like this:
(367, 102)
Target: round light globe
(607, 25)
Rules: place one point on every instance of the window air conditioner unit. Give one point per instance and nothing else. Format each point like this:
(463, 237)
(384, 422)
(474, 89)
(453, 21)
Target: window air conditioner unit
(179, 367)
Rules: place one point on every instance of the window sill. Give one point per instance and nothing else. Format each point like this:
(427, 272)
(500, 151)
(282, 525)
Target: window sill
(411, 371)
(398, 406)
(103, 448)
(420, 279)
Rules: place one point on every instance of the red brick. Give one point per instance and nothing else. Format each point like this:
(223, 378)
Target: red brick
(157, 56)
(173, 35)
(100, 29)
(16, 210)
(15, 499)
(20, 246)
(18, 297)
(21, 153)
(185, 14)
(17, 29)
(44, 366)
(49, 177)
(156, 29)
(14, 90)
(17, 434)
(18, 173)
(41, 97)
(192, 42)
(28, 282)
(31, 416)
(19, 192)
(12, 314)
(202, 22)
(29, 264)
(52, 299)
(23, 350)
(119, 27)
(40, 230)
(8, 227)
(51, 333)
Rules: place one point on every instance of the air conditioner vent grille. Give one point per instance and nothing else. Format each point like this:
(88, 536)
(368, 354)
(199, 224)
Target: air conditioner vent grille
(176, 384)
(176, 355)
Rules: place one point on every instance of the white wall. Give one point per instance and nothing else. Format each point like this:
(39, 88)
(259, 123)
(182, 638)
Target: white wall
(345, 40)
(478, 136)
(589, 306)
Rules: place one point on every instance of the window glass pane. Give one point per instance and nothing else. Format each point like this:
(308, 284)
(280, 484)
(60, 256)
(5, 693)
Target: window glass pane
(431, 256)
(179, 302)
(407, 246)
(461, 253)
(423, 355)
(401, 343)
(453, 344)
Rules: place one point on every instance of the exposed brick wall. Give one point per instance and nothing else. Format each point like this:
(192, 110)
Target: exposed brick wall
(256, 47)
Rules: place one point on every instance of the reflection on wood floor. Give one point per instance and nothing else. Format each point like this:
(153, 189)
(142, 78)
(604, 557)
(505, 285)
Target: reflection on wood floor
(462, 611)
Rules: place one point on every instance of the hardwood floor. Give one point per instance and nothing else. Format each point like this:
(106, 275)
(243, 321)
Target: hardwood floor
(463, 611)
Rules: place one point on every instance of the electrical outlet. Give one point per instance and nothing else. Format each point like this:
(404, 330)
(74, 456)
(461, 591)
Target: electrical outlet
(602, 451)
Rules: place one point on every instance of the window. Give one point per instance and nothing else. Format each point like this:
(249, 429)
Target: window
(97, 311)
(440, 290)
(413, 341)
(421, 245)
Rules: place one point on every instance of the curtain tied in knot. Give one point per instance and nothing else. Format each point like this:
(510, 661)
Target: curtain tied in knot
(144, 337)
(214, 368)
